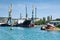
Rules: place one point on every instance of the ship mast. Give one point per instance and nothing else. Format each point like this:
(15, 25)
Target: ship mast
(32, 13)
(26, 12)
(35, 13)
(10, 12)
(20, 16)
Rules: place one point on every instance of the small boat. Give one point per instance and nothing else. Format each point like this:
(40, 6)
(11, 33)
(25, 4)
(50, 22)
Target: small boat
(43, 28)
(48, 27)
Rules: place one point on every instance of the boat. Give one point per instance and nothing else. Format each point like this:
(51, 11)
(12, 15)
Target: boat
(26, 23)
(48, 27)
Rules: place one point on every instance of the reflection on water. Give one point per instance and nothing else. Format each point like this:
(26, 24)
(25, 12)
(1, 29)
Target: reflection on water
(19, 33)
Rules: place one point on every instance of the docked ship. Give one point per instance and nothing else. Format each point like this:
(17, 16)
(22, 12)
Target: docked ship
(23, 23)
(27, 22)
(9, 21)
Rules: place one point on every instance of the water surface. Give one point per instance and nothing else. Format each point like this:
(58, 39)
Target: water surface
(35, 33)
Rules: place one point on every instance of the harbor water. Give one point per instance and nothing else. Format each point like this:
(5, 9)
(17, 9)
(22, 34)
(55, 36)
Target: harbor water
(34, 33)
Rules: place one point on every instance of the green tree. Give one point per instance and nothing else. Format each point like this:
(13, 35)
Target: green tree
(40, 22)
(58, 25)
(58, 19)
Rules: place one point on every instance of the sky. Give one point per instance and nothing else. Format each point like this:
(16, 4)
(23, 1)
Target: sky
(44, 8)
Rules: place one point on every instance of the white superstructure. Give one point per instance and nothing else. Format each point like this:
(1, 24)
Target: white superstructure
(20, 21)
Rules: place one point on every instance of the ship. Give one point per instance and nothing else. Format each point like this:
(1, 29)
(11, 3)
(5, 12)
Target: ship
(26, 23)
(9, 21)
(23, 23)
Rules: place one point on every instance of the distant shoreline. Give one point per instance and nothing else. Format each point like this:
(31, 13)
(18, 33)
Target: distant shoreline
(57, 28)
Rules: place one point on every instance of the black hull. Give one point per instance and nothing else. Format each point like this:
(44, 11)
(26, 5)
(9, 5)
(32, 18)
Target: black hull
(18, 25)
(26, 23)
(5, 25)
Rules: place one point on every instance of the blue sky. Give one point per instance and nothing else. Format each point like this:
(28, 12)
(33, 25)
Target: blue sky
(44, 8)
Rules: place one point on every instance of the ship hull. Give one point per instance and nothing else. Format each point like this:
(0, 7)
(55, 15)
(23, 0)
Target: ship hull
(5, 25)
(26, 23)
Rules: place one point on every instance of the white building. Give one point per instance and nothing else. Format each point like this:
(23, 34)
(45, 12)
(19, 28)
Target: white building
(54, 22)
